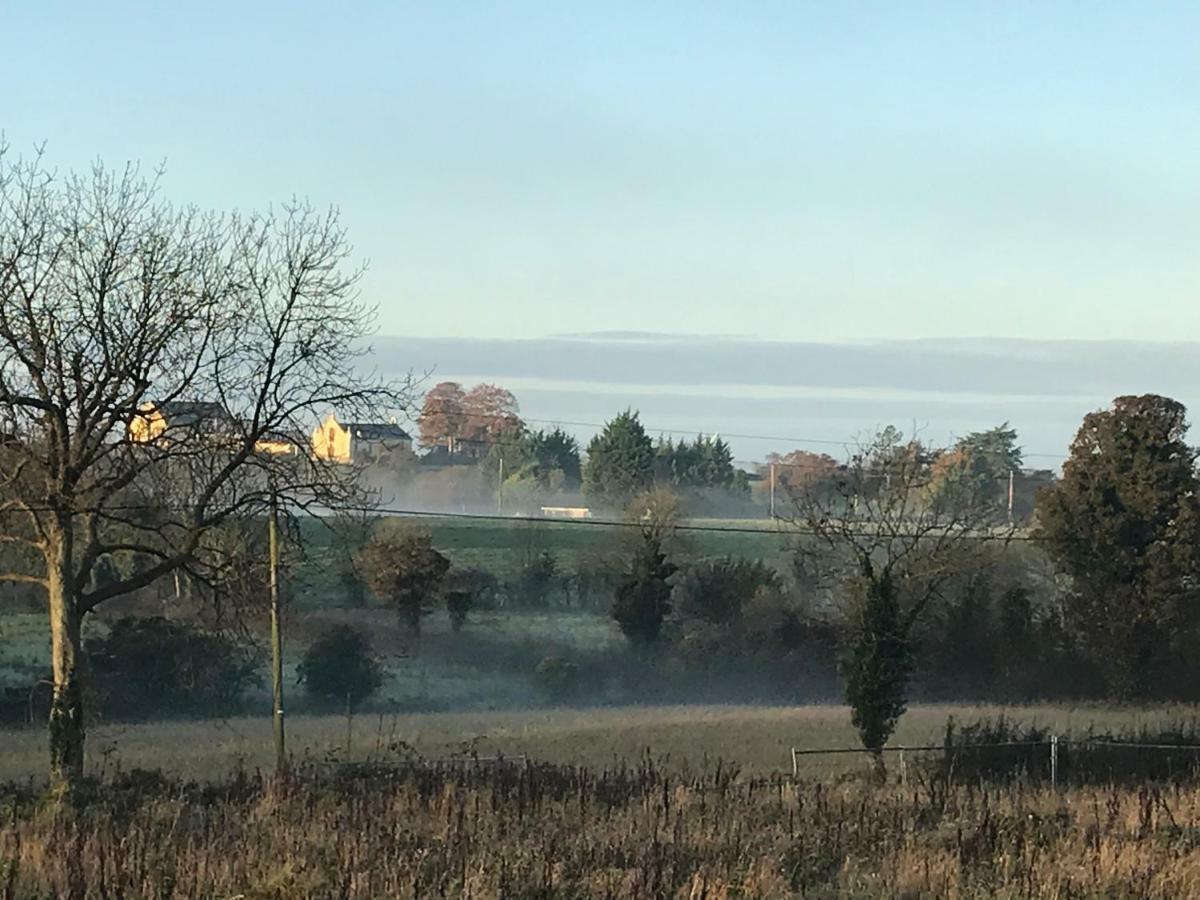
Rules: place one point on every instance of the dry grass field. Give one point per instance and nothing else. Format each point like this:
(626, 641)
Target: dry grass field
(538, 832)
(680, 802)
(756, 740)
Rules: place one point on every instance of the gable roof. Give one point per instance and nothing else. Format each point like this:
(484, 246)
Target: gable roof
(377, 431)
(189, 412)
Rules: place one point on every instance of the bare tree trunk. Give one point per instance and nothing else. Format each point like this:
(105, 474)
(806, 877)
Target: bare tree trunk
(410, 614)
(66, 637)
(878, 767)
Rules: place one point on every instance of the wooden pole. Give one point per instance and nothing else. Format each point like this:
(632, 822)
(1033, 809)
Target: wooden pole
(1011, 480)
(772, 490)
(276, 637)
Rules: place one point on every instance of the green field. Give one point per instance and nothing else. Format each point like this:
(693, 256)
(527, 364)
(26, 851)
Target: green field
(502, 547)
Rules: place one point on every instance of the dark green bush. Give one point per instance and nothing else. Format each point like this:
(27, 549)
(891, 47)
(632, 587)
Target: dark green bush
(155, 666)
(340, 667)
(1130, 756)
(558, 678)
(465, 590)
(537, 581)
(482, 585)
(717, 591)
(458, 604)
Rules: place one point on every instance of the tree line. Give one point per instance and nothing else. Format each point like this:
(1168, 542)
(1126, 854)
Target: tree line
(523, 467)
(902, 561)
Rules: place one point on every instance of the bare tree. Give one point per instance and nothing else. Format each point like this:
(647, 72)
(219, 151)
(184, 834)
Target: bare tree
(160, 369)
(872, 535)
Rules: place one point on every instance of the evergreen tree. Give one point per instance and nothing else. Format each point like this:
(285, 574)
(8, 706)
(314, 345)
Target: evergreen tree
(643, 597)
(1124, 523)
(877, 664)
(557, 450)
(974, 475)
(540, 460)
(620, 462)
(704, 463)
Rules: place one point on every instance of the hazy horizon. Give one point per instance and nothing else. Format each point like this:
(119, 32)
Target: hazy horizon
(776, 395)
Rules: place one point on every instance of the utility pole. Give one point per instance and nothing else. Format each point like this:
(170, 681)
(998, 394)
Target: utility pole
(276, 635)
(500, 489)
(1011, 480)
(772, 490)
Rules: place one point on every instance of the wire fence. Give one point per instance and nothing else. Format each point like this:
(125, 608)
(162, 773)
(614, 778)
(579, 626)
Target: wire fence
(1054, 746)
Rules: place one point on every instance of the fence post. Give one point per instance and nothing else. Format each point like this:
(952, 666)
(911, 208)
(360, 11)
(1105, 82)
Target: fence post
(903, 770)
(1054, 760)
(795, 765)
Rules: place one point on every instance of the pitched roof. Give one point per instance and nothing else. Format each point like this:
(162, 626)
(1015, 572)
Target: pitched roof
(190, 412)
(377, 431)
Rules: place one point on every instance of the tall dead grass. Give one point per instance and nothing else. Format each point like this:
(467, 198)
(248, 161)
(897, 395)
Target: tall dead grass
(424, 830)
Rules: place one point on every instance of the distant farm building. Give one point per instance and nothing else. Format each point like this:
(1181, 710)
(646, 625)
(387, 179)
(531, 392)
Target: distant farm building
(179, 418)
(357, 441)
(566, 512)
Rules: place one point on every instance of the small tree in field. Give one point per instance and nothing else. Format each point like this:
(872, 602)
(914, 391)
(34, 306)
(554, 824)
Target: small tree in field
(159, 370)
(341, 667)
(872, 534)
(877, 664)
(643, 597)
(404, 570)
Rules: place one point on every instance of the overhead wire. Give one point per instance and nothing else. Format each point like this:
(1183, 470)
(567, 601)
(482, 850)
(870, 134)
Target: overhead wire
(780, 439)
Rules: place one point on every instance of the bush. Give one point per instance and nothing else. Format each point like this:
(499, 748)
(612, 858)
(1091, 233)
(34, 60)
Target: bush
(536, 581)
(558, 678)
(482, 585)
(465, 590)
(458, 604)
(150, 666)
(341, 667)
(1131, 756)
(718, 591)
(404, 570)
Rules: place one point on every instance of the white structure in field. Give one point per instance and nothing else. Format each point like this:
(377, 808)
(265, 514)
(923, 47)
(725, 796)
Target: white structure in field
(566, 512)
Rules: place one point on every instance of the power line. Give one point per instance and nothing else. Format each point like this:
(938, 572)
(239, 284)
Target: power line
(779, 439)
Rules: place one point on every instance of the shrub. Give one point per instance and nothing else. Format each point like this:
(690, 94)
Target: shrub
(482, 585)
(558, 678)
(405, 571)
(341, 667)
(718, 591)
(1133, 756)
(467, 589)
(537, 580)
(146, 666)
(458, 604)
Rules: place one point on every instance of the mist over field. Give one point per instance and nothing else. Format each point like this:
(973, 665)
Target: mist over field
(744, 387)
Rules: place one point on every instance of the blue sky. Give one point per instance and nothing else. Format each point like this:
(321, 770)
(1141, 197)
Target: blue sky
(796, 171)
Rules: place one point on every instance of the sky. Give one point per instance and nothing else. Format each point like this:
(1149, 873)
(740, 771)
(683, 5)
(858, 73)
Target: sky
(791, 171)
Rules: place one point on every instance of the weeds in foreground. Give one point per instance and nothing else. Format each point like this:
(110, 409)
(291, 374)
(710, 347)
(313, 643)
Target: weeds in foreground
(414, 829)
